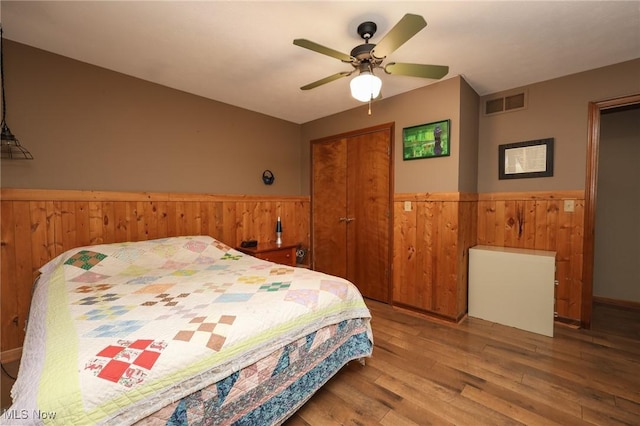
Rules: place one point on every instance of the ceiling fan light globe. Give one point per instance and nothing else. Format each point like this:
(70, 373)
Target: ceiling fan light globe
(365, 86)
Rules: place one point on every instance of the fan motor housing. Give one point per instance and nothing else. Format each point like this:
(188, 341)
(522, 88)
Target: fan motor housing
(362, 51)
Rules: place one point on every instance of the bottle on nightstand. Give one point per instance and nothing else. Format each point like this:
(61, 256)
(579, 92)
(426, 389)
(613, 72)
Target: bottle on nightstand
(278, 232)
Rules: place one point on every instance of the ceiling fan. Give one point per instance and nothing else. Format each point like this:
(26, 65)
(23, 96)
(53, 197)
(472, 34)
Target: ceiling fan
(368, 56)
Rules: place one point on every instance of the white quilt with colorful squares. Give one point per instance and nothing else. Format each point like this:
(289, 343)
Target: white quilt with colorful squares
(118, 331)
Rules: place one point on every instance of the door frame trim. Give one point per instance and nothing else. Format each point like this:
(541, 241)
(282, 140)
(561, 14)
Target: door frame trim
(593, 143)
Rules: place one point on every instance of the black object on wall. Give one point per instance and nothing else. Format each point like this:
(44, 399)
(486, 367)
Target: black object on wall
(268, 177)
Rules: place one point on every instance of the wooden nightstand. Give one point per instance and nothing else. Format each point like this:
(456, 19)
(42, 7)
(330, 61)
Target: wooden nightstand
(284, 254)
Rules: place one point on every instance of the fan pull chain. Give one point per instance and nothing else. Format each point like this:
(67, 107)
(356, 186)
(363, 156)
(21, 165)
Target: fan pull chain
(370, 105)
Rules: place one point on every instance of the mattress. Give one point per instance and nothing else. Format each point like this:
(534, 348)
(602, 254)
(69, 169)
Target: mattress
(181, 330)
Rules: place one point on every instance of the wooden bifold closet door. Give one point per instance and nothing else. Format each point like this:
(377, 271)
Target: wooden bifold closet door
(351, 208)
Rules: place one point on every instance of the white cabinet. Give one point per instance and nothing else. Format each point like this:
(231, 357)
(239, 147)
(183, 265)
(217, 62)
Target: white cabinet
(512, 286)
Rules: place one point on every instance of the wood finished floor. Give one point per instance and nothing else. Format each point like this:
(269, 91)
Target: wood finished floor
(479, 373)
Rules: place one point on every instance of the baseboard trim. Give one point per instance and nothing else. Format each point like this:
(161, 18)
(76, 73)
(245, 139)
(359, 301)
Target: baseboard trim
(629, 304)
(569, 322)
(429, 315)
(11, 355)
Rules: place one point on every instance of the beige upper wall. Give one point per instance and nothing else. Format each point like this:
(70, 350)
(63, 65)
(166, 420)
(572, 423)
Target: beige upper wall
(468, 165)
(439, 101)
(559, 109)
(91, 128)
(555, 108)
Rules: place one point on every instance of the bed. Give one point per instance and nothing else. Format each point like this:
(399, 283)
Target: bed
(181, 331)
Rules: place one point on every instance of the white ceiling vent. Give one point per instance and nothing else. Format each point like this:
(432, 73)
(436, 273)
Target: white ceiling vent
(511, 102)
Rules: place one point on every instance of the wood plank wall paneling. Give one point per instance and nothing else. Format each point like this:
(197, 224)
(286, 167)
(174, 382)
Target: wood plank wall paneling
(431, 240)
(38, 225)
(537, 220)
(431, 244)
(467, 237)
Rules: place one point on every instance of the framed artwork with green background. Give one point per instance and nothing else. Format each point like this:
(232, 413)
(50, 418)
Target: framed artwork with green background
(426, 140)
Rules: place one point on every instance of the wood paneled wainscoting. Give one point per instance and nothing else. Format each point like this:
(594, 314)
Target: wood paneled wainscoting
(539, 220)
(38, 225)
(432, 237)
(433, 234)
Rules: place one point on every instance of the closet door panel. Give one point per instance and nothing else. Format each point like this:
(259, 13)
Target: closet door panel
(368, 204)
(329, 207)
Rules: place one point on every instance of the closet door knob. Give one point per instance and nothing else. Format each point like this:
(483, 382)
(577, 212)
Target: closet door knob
(343, 219)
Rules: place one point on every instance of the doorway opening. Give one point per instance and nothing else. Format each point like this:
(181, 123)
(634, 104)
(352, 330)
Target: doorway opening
(595, 112)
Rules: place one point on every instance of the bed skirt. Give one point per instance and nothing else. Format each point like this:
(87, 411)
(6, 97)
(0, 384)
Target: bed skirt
(272, 389)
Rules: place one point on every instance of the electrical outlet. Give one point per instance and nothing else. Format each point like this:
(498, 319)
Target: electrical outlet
(407, 206)
(569, 206)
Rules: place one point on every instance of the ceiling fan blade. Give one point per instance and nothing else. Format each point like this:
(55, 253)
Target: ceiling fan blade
(417, 70)
(326, 80)
(307, 44)
(406, 28)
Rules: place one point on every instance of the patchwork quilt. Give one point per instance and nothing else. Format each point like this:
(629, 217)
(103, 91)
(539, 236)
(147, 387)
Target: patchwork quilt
(120, 332)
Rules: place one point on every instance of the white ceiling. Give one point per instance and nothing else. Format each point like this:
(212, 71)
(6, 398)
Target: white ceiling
(242, 52)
